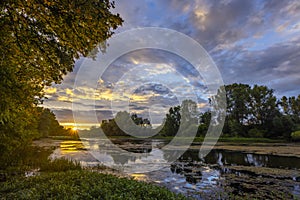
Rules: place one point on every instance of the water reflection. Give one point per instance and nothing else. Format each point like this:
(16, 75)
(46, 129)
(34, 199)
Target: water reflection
(223, 157)
(188, 175)
(149, 153)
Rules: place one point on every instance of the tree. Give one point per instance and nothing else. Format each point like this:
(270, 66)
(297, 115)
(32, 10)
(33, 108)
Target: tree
(263, 106)
(283, 126)
(172, 122)
(48, 124)
(40, 41)
(238, 101)
(204, 123)
(126, 124)
(251, 108)
(284, 105)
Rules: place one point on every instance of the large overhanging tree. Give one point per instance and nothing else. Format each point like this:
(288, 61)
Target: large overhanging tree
(40, 41)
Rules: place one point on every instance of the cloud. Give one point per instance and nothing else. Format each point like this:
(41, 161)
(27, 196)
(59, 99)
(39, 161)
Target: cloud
(251, 41)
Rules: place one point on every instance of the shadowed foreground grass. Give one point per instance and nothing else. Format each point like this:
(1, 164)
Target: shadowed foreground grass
(81, 184)
(65, 179)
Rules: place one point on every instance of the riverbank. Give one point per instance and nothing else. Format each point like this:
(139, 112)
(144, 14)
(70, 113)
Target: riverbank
(59, 178)
(278, 149)
(225, 172)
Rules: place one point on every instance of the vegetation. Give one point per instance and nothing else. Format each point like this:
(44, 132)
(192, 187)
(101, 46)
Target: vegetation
(252, 112)
(65, 179)
(40, 41)
(256, 112)
(122, 125)
(49, 126)
(60, 165)
(296, 136)
(75, 184)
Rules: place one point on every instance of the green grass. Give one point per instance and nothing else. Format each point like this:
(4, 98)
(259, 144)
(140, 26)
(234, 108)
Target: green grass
(81, 184)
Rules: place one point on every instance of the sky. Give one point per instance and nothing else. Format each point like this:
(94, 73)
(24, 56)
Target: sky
(250, 41)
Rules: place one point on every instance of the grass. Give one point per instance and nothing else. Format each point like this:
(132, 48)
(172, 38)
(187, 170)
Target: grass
(81, 184)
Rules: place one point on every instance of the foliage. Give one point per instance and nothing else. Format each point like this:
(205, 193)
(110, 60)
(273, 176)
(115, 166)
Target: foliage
(25, 157)
(251, 112)
(256, 112)
(124, 124)
(283, 125)
(172, 122)
(111, 128)
(40, 41)
(296, 136)
(82, 185)
(256, 133)
(47, 123)
(60, 165)
(204, 123)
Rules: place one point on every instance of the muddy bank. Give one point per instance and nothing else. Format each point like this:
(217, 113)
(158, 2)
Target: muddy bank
(233, 182)
(279, 149)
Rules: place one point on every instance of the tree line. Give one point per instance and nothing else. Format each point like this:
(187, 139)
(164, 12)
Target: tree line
(252, 111)
(256, 112)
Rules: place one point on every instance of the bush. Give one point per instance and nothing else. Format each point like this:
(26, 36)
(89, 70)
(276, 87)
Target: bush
(256, 133)
(295, 136)
(82, 185)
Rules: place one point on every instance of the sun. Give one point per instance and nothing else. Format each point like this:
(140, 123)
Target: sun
(74, 129)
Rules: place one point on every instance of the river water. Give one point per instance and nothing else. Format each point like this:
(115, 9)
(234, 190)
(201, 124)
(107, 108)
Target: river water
(213, 176)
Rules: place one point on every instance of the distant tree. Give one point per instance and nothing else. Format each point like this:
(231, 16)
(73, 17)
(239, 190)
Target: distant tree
(204, 123)
(171, 122)
(124, 124)
(285, 105)
(283, 126)
(48, 125)
(140, 121)
(263, 106)
(238, 101)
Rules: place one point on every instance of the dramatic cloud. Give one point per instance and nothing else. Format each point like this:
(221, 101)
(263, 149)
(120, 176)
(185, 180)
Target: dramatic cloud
(251, 41)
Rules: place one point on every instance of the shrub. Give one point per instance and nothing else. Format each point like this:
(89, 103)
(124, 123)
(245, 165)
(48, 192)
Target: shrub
(295, 136)
(255, 133)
